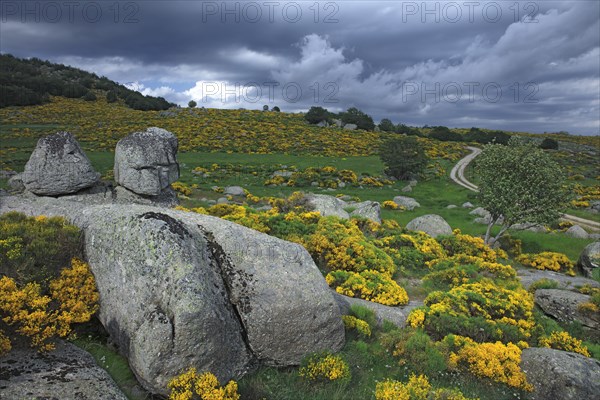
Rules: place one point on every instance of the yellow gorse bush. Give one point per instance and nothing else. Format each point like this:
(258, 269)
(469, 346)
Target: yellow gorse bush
(548, 260)
(362, 327)
(325, 367)
(191, 385)
(564, 341)
(497, 361)
(417, 388)
(73, 299)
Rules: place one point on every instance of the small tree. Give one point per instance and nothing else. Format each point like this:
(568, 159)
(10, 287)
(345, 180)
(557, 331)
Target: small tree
(265, 108)
(403, 156)
(549, 144)
(192, 104)
(89, 96)
(276, 109)
(316, 115)
(111, 96)
(519, 183)
(354, 116)
(386, 125)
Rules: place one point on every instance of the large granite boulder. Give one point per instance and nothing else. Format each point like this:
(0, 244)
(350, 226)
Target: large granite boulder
(589, 259)
(67, 373)
(182, 289)
(407, 202)
(58, 166)
(431, 224)
(146, 162)
(557, 374)
(563, 305)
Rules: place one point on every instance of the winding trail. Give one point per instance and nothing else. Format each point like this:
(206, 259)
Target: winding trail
(457, 174)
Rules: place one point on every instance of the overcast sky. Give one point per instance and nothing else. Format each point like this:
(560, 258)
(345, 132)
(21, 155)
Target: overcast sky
(525, 66)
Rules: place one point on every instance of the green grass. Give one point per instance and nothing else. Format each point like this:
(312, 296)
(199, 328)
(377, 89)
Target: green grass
(115, 364)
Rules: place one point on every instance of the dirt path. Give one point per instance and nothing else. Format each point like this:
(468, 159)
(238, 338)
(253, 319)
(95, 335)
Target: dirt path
(457, 174)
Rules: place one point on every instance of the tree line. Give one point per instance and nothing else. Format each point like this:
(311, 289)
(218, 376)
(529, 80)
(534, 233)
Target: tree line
(25, 82)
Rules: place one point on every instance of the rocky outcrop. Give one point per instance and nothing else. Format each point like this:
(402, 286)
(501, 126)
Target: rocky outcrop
(333, 206)
(67, 373)
(58, 166)
(557, 374)
(350, 127)
(183, 289)
(431, 224)
(529, 276)
(589, 259)
(563, 305)
(15, 183)
(407, 202)
(146, 162)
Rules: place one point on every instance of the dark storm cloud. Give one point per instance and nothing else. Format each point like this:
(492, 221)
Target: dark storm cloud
(544, 56)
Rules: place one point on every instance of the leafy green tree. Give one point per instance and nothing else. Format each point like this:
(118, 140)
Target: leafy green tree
(276, 109)
(111, 96)
(89, 96)
(549, 144)
(444, 134)
(403, 157)
(386, 125)
(519, 183)
(354, 116)
(317, 114)
(192, 104)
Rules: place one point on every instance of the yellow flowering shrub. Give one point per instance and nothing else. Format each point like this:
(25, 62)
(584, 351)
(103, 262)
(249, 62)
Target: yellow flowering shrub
(482, 310)
(191, 385)
(564, 341)
(73, 299)
(460, 243)
(489, 268)
(182, 188)
(340, 245)
(390, 205)
(417, 388)
(497, 361)
(362, 327)
(548, 260)
(238, 214)
(368, 285)
(416, 318)
(325, 367)
(425, 244)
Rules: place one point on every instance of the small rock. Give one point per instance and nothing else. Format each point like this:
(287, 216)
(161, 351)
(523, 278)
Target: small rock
(413, 183)
(235, 191)
(16, 183)
(467, 205)
(480, 212)
(407, 189)
(577, 231)
(222, 200)
(350, 127)
(451, 206)
(563, 305)
(367, 209)
(407, 202)
(431, 224)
